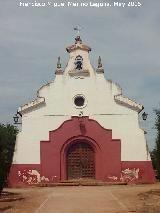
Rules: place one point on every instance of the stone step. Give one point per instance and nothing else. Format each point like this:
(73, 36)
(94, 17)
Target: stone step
(80, 183)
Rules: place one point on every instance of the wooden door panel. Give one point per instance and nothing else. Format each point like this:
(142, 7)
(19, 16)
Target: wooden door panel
(80, 161)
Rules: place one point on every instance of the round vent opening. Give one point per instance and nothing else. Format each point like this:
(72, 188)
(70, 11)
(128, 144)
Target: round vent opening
(79, 101)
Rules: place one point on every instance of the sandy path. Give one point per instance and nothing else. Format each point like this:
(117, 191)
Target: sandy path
(86, 199)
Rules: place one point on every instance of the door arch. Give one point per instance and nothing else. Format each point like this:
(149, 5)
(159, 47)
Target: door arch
(80, 161)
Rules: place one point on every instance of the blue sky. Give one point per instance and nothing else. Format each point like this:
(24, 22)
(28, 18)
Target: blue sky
(128, 40)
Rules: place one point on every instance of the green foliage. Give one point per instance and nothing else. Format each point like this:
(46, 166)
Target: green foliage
(155, 155)
(7, 144)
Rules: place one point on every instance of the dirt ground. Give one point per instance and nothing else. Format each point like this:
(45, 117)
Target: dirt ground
(85, 199)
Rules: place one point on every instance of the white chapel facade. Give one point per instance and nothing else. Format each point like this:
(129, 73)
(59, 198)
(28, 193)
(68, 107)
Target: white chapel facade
(81, 126)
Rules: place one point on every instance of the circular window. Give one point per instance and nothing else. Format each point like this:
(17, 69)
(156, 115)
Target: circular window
(79, 101)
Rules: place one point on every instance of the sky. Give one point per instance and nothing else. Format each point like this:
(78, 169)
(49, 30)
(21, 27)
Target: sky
(127, 39)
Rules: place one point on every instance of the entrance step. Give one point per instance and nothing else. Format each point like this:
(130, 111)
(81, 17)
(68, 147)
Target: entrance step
(81, 183)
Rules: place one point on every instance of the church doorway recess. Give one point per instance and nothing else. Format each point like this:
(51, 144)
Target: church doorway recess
(80, 161)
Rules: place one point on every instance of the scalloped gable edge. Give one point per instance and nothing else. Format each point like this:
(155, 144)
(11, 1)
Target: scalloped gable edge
(38, 101)
(78, 46)
(120, 99)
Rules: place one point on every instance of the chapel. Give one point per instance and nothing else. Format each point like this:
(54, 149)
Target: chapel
(80, 127)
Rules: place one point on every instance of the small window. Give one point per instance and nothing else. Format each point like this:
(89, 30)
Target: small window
(79, 101)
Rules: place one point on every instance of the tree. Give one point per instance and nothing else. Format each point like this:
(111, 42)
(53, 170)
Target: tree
(155, 154)
(7, 145)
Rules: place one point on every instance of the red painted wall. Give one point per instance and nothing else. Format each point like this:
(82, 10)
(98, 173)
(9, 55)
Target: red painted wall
(146, 173)
(53, 152)
(108, 165)
(20, 174)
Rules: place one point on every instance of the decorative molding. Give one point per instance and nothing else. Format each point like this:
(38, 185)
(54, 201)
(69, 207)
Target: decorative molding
(59, 72)
(78, 45)
(75, 47)
(38, 101)
(99, 70)
(79, 73)
(100, 66)
(120, 99)
(42, 87)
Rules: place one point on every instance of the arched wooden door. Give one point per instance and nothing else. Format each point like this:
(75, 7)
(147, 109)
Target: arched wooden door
(80, 161)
